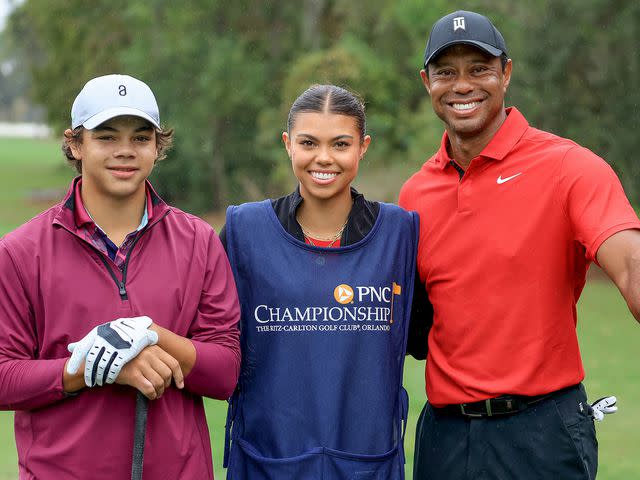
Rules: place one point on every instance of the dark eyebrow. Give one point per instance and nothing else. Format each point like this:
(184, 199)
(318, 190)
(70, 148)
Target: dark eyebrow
(340, 137)
(439, 64)
(106, 128)
(478, 57)
(306, 135)
(311, 137)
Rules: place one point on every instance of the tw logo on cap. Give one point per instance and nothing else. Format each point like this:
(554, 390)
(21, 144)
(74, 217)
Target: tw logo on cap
(458, 23)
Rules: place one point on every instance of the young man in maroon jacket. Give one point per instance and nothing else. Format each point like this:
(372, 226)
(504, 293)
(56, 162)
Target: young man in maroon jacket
(139, 291)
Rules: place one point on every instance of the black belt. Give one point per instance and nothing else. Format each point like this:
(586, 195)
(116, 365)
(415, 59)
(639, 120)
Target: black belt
(502, 405)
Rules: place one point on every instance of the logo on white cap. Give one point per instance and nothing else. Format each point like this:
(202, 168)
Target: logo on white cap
(458, 23)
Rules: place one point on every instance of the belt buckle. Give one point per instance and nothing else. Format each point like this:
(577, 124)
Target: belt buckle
(472, 415)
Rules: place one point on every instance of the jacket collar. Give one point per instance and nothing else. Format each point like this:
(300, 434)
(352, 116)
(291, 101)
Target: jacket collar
(296, 200)
(361, 218)
(72, 214)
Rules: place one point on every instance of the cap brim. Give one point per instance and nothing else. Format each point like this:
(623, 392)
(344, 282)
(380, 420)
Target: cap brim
(110, 113)
(496, 52)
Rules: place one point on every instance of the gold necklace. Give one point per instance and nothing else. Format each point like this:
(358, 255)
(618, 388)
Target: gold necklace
(333, 239)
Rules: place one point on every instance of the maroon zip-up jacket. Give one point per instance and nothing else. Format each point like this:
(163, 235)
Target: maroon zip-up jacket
(55, 287)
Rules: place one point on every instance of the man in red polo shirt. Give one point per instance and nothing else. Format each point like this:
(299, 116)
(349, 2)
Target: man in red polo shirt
(511, 218)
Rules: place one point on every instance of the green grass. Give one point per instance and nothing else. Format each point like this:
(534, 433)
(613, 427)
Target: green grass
(609, 340)
(608, 334)
(33, 175)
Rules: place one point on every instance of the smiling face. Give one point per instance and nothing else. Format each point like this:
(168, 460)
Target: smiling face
(467, 88)
(117, 157)
(325, 150)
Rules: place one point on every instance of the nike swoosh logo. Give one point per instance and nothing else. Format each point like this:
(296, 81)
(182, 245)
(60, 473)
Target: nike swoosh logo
(501, 180)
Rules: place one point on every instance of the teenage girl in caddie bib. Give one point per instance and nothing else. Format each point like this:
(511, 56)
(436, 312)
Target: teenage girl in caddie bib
(325, 279)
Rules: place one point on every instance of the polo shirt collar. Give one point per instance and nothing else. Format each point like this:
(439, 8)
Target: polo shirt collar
(507, 136)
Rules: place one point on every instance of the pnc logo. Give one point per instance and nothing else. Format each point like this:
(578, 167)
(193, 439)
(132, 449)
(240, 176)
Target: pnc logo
(343, 294)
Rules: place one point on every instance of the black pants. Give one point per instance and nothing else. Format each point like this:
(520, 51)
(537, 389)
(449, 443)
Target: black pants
(552, 439)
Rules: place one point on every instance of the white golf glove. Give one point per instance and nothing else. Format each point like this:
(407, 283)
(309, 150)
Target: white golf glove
(108, 347)
(602, 407)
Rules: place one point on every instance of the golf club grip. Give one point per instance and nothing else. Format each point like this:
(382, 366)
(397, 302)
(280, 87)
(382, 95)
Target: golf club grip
(140, 429)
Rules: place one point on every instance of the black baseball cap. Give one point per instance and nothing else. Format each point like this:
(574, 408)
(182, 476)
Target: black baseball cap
(464, 27)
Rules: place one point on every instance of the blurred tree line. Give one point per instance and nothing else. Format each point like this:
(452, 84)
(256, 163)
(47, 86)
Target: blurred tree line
(225, 74)
(15, 105)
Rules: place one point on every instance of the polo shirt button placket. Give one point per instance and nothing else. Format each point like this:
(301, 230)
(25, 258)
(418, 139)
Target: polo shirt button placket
(465, 191)
(461, 175)
(464, 197)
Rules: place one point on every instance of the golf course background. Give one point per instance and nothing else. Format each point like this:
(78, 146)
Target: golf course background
(33, 175)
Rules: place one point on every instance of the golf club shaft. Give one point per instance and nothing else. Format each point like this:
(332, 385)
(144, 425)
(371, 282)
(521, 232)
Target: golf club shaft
(139, 432)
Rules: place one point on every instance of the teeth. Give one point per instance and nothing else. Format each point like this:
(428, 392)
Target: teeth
(464, 106)
(323, 175)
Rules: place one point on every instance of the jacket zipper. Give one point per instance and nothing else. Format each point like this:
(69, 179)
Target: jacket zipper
(121, 284)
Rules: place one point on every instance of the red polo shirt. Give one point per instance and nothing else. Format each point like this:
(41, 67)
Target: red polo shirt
(503, 253)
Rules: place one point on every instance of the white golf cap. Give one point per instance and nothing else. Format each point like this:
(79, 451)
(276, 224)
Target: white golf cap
(104, 98)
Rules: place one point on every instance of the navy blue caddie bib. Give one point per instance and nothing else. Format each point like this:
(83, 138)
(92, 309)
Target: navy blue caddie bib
(323, 336)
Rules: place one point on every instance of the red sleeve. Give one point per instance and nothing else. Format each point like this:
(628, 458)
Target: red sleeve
(594, 199)
(214, 332)
(26, 382)
(406, 194)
